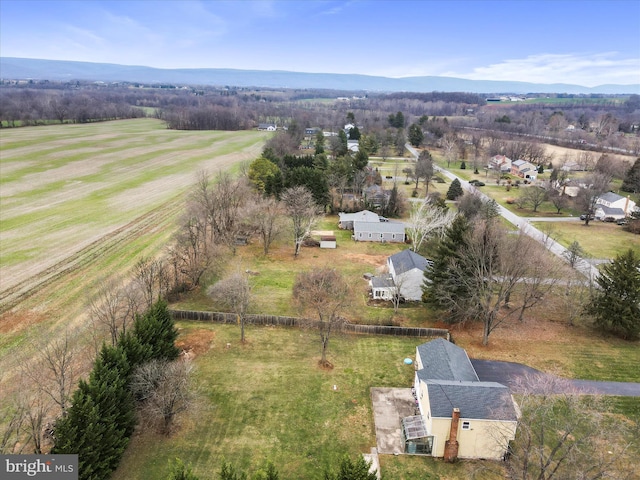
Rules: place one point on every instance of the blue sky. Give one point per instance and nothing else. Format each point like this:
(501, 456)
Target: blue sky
(587, 42)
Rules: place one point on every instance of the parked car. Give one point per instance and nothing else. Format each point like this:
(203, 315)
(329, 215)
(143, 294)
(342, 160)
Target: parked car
(476, 183)
(584, 217)
(622, 221)
(609, 219)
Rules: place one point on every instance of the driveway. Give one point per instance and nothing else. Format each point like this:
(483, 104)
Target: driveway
(521, 378)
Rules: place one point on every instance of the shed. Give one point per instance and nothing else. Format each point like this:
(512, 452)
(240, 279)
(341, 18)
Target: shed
(328, 241)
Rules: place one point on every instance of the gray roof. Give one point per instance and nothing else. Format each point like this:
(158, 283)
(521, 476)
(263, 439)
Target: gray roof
(364, 216)
(408, 260)
(378, 227)
(610, 197)
(382, 282)
(476, 400)
(610, 211)
(442, 360)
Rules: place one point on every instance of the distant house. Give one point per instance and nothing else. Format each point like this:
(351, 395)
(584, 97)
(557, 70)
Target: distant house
(613, 206)
(375, 195)
(405, 277)
(378, 231)
(311, 131)
(500, 163)
(269, 127)
(353, 145)
(572, 166)
(524, 169)
(459, 416)
(346, 220)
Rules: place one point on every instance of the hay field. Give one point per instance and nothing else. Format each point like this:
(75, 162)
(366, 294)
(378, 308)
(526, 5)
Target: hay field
(65, 187)
(79, 203)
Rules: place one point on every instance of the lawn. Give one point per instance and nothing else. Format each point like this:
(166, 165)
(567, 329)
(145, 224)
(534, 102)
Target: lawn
(598, 239)
(268, 399)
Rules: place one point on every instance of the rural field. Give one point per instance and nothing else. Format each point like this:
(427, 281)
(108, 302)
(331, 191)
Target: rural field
(81, 202)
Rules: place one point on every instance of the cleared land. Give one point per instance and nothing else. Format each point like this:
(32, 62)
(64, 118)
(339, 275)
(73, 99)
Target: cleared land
(80, 202)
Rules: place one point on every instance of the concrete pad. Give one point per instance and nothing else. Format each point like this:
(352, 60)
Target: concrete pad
(372, 459)
(390, 406)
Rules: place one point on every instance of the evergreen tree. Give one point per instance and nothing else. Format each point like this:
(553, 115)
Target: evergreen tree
(354, 133)
(416, 136)
(83, 432)
(455, 190)
(631, 182)
(350, 470)
(447, 268)
(463, 165)
(360, 161)
(616, 304)
(180, 471)
(313, 179)
(540, 169)
(156, 329)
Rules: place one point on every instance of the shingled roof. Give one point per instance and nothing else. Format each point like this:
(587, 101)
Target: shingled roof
(452, 382)
(442, 360)
(408, 260)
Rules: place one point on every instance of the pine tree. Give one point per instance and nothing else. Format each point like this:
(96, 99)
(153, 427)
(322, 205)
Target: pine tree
(156, 330)
(443, 275)
(180, 471)
(616, 304)
(631, 182)
(350, 470)
(455, 190)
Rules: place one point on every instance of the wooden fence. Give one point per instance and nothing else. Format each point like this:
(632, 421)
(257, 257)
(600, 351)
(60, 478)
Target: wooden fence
(274, 320)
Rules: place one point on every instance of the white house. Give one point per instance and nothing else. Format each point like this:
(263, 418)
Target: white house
(346, 220)
(500, 163)
(613, 205)
(459, 416)
(405, 276)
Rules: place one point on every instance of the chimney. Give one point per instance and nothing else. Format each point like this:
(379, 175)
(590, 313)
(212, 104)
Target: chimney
(451, 445)
(626, 206)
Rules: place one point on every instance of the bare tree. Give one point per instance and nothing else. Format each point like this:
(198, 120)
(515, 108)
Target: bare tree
(110, 307)
(558, 200)
(13, 421)
(57, 360)
(324, 293)
(427, 220)
(303, 212)
(560, 435)
(164, 390)
(534, 195)
(267, 214)
(151, 277)
(450, 147)
(234, 292)
(423, 169)
(494, 264)
(587, 197)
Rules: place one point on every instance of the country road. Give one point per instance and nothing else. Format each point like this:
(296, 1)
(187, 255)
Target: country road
(585, 268)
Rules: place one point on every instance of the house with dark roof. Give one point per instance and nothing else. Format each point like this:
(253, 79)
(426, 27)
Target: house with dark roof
(459, 416)
(524, 169)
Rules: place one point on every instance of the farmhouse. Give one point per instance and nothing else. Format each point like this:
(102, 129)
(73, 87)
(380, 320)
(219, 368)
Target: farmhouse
(613, 206)
(406, 276)
(459, 416)
(268, 127)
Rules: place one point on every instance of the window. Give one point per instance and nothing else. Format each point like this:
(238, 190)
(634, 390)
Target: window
(466, 425)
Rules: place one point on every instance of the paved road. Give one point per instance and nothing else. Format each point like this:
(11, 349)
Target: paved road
(587, 269)
(521, 378)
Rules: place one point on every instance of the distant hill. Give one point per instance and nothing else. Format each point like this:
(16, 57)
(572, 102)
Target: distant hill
(60, 70)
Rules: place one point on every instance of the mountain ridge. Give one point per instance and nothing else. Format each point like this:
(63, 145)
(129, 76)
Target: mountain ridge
(16, 68)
